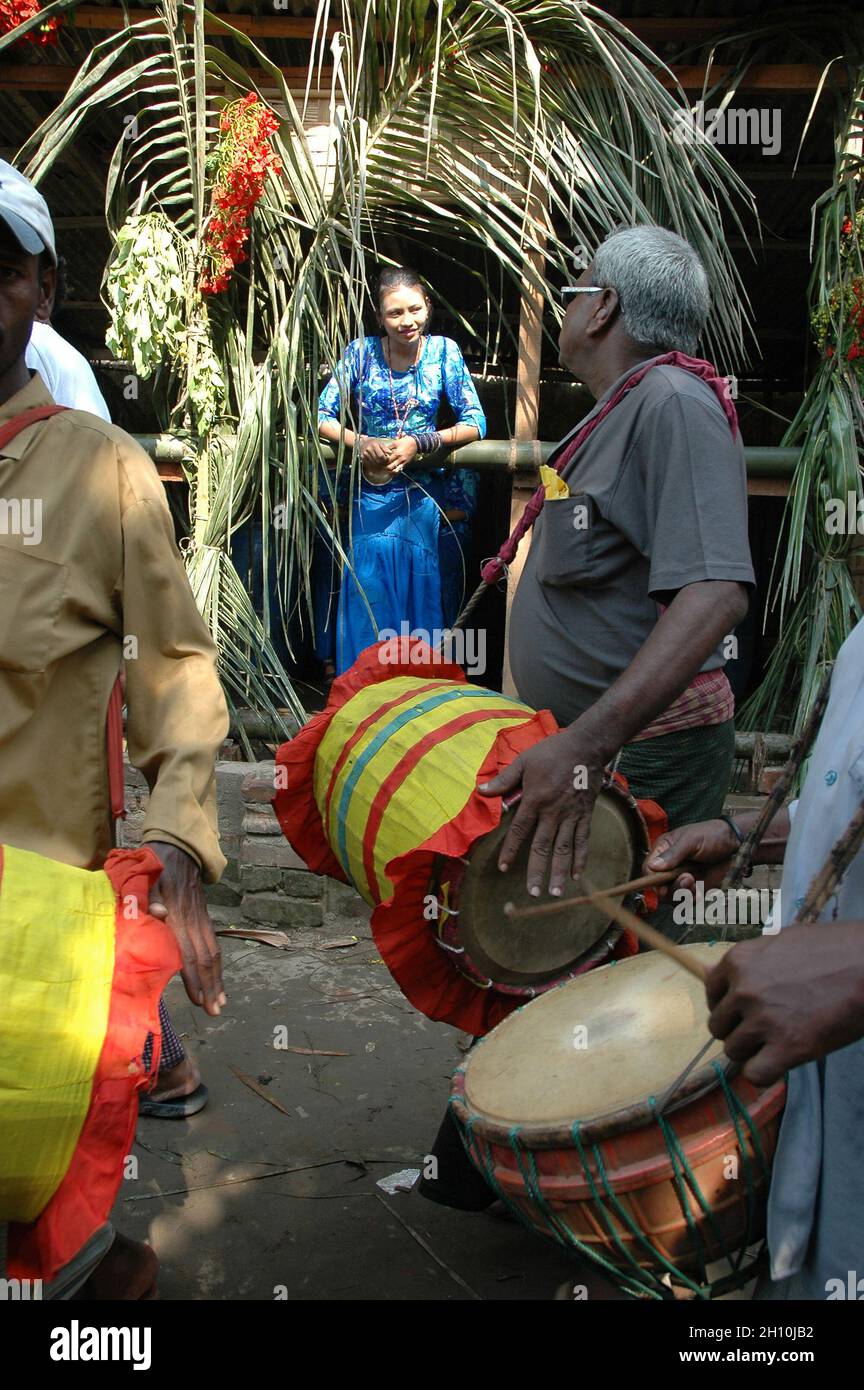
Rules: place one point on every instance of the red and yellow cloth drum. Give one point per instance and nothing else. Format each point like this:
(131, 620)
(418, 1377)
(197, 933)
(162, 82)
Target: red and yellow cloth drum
(380, 790)
(82, 968)
(565, 1109)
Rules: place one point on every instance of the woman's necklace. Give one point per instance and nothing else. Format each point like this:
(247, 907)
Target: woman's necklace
(401, 415)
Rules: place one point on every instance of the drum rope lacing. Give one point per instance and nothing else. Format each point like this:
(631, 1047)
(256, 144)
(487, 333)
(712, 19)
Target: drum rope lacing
(638, 1282)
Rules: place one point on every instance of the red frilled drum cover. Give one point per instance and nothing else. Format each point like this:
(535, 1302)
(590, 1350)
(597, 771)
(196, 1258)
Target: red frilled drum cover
(381, 785)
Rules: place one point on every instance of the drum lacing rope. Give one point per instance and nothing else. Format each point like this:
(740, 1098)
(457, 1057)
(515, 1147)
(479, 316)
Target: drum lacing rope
(681, 1170)
(639, 1281)
(640, 1275)
(480, 1153)
(737, 1110)
(557, 1229)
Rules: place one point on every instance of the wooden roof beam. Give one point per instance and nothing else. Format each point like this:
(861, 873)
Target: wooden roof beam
(257, 26)
(761, 77)
(109, 18)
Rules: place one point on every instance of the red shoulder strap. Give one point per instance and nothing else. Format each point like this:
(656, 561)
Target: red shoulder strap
(114, 740)
(27, 417)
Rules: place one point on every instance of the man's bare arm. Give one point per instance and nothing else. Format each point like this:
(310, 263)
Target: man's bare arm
(713, 844)
(552, 809)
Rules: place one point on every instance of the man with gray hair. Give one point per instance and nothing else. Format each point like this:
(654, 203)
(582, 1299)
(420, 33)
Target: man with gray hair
(639, 571)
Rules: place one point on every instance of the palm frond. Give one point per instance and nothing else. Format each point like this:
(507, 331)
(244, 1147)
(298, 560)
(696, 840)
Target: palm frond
(811, 582)
(523, 130)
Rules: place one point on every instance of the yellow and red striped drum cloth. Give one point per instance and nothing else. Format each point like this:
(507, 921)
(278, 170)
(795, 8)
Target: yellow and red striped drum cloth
(382, 784)
(82, 967)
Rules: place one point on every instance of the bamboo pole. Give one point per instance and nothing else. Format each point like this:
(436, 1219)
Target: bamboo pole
(527, 411)
(825, 883)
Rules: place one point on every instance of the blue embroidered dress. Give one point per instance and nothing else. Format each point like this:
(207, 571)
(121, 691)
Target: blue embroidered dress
(404, 554)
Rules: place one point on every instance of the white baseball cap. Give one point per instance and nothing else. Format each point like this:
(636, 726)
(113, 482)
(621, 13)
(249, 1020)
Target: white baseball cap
(25, 213)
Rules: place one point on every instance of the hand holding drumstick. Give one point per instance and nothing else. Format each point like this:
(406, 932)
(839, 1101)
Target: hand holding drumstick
(777, 1001)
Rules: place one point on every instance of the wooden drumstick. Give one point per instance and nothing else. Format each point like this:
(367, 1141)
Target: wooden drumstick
(625, 918)
(518, 914)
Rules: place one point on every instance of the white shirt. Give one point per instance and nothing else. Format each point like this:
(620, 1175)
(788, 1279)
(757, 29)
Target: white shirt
(816, 1203)
(64, 370)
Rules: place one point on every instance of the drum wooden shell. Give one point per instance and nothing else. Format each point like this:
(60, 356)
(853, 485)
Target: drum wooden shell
(608, 1180)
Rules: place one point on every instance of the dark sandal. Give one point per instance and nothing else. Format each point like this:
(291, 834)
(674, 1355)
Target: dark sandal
(178, 1108)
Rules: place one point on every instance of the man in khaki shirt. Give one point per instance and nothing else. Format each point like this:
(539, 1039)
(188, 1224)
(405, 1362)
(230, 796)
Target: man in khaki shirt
(97, 568)
(91, 584)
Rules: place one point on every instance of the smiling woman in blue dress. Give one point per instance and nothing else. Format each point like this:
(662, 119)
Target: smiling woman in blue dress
(404, 527)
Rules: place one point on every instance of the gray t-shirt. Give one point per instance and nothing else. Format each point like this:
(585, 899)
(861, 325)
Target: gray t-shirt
(658, 500)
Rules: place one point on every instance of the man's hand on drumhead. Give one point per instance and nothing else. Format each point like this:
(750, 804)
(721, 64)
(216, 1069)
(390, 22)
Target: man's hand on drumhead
(555, 808)
(708, 842)
(178, 899)
(780, 1001)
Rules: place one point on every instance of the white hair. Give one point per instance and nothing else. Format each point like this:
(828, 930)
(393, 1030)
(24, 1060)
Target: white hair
(661, 283)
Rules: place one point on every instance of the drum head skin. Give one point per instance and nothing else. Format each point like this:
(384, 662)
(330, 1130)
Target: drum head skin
(597, 1048)
(523, 952)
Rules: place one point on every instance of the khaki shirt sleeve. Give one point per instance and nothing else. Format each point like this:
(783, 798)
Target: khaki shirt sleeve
(176, 713)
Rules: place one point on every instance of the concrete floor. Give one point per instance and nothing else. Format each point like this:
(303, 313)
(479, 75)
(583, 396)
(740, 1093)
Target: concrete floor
(210, 1195)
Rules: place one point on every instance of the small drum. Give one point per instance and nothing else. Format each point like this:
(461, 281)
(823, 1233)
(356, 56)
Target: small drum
(560, 1110)
(380, 790)
(520, 958)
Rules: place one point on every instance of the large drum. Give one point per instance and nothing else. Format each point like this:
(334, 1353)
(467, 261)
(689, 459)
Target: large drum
(380, 791)
(560, 1109)
(82, 967)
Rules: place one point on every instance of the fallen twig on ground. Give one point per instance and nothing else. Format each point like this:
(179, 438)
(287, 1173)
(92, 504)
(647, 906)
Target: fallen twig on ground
(283, 942)
(259, 1090)
(316, 1052)
(424, 1245)
(233, 1182)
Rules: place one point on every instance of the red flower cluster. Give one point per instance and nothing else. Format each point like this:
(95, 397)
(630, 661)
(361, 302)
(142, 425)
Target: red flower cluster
(243, 159)
(855, 319)
(15, 12)
(848, 302)
(845, 304)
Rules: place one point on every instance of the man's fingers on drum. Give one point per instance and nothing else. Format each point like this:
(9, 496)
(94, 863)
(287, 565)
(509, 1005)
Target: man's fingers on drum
(541, 857)
(562, 856)
(580, 847)
(521, 828)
